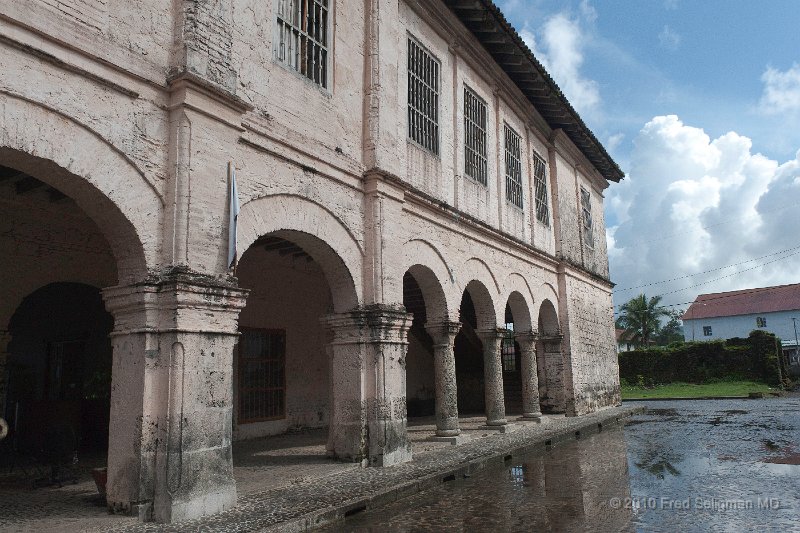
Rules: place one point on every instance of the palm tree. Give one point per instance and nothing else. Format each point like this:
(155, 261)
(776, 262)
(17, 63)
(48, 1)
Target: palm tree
(640, 318)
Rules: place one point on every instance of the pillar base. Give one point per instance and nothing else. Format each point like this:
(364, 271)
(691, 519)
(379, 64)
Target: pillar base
(448, 432)
(532, 417)
(455, 440)
(507, 428)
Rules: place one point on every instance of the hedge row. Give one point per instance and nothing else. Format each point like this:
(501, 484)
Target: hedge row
(755, 358)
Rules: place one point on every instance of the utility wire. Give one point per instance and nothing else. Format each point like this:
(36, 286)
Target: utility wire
(706, 271)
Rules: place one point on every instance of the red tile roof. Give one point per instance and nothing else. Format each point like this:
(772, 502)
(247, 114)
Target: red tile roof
(745, 302)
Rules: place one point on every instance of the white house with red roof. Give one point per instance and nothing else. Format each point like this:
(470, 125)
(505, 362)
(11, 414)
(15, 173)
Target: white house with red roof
(724, 315)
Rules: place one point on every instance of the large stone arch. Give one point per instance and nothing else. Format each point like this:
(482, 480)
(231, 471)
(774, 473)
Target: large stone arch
(317, 231)
(548, 318)
(77, 161)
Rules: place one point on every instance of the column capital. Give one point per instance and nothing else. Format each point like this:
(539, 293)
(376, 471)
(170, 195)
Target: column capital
(177, 300)
(526, 336)
(491, 334)
(444, 331)
(371, 323)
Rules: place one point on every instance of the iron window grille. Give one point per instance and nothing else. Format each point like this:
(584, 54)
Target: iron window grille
(475, 160)
(262, 375)
(540, 190)
(586, 208)
(508, 350)
(707, 331)
(761, 322)
(303, 38)
(513, 167)
(423, 97)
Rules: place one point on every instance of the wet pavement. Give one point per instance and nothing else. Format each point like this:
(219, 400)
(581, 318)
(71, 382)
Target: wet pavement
(713, 465)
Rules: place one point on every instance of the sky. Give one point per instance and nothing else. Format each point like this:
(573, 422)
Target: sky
(699, 103)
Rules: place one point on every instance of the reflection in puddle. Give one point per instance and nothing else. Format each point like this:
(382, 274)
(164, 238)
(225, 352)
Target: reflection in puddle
(670, 469)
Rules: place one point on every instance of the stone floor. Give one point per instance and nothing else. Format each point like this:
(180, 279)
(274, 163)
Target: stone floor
(283, 480)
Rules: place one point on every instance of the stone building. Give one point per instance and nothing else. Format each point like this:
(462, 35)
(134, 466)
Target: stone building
(421, 230)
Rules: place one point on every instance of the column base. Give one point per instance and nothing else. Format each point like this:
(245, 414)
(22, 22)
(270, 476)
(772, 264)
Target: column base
(448, 432)
(532, 417)
(455, 440)
(217, 501)
(507, 428)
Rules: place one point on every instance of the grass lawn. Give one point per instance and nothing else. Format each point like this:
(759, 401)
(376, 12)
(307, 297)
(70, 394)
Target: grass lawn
(690, 390)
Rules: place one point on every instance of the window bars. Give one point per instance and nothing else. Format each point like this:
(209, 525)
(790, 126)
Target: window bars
(423, 97)
(303, 38)
(513, 167)
(586, 207)
(262, 379)
(540, 190)
(475, 162)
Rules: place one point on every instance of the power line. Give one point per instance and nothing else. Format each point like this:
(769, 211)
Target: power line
(706, 271)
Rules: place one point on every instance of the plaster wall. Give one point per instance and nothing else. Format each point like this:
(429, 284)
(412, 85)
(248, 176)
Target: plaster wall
(726, 327)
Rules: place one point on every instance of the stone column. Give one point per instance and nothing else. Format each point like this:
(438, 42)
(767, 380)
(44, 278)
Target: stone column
(169, 455)
(368, 380)
(5, 338)
(444, 364)
(555, 375)
(530, 378)
(493, 377)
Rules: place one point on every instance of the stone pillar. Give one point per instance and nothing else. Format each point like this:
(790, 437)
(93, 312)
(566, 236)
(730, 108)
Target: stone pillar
(5, 338)
(493, 377)
(444, 364)
(169, 455)
(530, 378)
(368, 380)
(555, 375)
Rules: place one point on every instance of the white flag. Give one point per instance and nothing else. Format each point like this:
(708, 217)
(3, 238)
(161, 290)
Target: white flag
(234, 215)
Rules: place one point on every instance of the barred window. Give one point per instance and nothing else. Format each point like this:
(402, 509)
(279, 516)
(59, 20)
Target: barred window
(707, 331)
(475, 163)
(540, 189)
(302, 41)
(761, 321)
(513, 168)
(262, 380)
(508, 350)
(423, 97)
(586, 207)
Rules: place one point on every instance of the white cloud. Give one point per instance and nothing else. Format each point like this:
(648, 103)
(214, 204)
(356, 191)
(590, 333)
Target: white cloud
(781, 90)
(691, 203)
(669, 39)
(614, 141)
(562, 55)
(670, 5)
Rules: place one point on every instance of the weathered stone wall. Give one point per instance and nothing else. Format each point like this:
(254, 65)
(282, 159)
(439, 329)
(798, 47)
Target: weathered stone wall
(594, 368)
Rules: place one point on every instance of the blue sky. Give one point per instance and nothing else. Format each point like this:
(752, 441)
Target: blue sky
(699, 102)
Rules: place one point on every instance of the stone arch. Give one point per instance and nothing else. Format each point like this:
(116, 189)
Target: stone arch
(548, 319)
(317, 231)
(485, 310)
(423, 261)
(519, 297)
(101, 179)
(477, 274)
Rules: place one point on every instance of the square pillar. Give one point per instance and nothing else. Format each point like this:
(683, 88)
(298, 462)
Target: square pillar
(169, 454)
(5, 338)
(368, 380)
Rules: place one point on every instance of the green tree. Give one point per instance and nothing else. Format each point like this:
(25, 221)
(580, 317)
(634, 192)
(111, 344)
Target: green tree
(640, 317)
(672, 330)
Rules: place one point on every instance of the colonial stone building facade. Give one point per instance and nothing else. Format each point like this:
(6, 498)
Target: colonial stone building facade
(421, 231)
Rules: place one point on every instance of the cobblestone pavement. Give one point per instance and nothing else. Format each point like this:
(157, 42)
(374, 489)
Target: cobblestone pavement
(286, 483)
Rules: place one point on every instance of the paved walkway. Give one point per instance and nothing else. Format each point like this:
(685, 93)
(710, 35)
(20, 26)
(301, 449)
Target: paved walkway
(286, 483)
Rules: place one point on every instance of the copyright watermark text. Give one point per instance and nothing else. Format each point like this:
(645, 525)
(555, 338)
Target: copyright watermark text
(697, 503)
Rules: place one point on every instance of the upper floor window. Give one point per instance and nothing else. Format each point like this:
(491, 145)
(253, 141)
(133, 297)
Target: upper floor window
(475, 162)
(513, 167)
(303, 38)
(761, 321)
(707, 331)
(540, 189)
(423, 97)
(586, 208)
